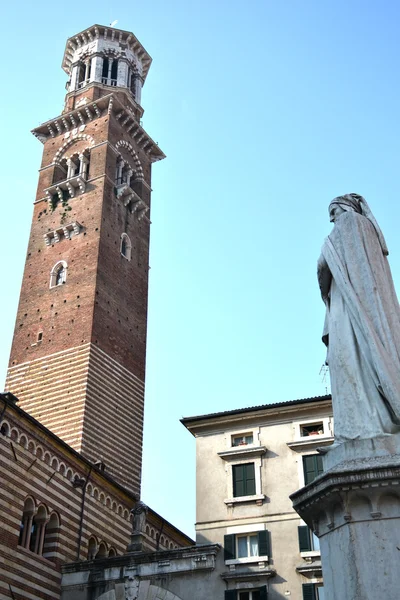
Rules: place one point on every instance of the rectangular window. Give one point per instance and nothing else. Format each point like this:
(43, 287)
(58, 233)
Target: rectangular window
(244, 481)
(308, 541)
(312, 466)
(313, 591)
(259, 594)
(312, 429)
(246, 546)
(242, 440)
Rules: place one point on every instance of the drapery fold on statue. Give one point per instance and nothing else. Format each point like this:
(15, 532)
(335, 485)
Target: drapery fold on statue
(362, 329)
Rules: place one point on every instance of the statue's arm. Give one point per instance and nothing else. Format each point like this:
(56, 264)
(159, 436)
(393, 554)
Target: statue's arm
(324, 278)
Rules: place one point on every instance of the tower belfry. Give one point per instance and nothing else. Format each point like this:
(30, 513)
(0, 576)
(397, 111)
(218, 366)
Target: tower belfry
(77, 362)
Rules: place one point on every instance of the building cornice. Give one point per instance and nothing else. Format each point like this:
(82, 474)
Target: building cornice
(91, 34)
(74, 122)
(230, 418)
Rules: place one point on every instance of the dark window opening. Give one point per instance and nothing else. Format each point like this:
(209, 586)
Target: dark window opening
(104, 72)
(114, 69)
(60, 276)
(81, 73)
(40, 336)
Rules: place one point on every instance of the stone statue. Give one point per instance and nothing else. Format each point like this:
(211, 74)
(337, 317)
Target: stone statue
(131, 588)
(139, 517)
(362, 325)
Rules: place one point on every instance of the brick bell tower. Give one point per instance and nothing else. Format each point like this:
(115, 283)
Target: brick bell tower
(78, 355)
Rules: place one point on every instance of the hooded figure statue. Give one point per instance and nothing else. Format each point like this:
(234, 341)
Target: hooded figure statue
(362, 324)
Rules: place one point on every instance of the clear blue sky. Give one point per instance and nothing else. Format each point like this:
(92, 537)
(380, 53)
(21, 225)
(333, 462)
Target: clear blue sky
(266, 110)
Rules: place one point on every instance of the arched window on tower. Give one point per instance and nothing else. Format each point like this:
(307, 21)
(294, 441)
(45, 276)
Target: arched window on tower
(104, 73)
(38, 531)
(25, 528)
(58, 275)
(84, 71)
(123, 172)
(114, 72)
(132, 82)
(81, 74)
(126, 246)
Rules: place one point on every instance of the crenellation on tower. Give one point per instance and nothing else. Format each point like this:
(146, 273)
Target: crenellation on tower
(78, 356)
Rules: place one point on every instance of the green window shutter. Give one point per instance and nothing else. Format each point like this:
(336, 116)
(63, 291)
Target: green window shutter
(309, 591)
(250, 481)
(229, 547)
(304, 538)
(230, 594)
(263, 543)
(312, 466)
(238, 480)
(263, 592)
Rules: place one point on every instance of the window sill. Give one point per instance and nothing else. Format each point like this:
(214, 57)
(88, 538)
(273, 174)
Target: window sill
(310, 554)
(247, 560)
(245, 451)
(311, 441)
(257, 498)
(40, 557)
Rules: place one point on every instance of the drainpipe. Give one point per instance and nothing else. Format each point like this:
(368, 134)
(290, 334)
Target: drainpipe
(82, 483)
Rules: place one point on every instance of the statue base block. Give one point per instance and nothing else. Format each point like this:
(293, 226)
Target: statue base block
(136, 543)
(354, 508)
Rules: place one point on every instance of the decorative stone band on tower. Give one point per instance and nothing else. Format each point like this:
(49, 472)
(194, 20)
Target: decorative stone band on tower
(78, 357)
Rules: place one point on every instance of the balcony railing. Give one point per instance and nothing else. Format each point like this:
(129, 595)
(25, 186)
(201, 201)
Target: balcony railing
(107, 81)
(71, 185)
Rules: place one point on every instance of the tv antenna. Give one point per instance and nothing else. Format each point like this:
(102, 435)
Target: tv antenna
(323, 373)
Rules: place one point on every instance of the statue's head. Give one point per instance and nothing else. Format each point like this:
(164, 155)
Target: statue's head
(343, 204)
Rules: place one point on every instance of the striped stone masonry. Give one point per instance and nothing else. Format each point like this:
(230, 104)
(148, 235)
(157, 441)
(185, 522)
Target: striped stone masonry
(91, 402)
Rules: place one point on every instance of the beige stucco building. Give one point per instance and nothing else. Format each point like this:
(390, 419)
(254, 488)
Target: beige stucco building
(248, 463)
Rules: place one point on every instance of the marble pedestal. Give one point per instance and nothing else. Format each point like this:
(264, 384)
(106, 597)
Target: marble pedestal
(354, 508)
(136, 542)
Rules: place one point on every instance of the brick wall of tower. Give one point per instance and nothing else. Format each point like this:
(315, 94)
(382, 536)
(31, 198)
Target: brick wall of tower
(103, 304)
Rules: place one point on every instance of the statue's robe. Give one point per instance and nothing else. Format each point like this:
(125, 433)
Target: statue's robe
(362, 331)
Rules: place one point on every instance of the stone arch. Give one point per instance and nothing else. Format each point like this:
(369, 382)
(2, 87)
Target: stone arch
(360, 507)
(89, 489)
(137, 164)
(61, 151)
(154, 592)
(389, 504)
(31, 447)
(39, 452)
(23, 440)
(54, 464)
(47, 458)
(5, 428)
(62, 469)
(14, 434)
